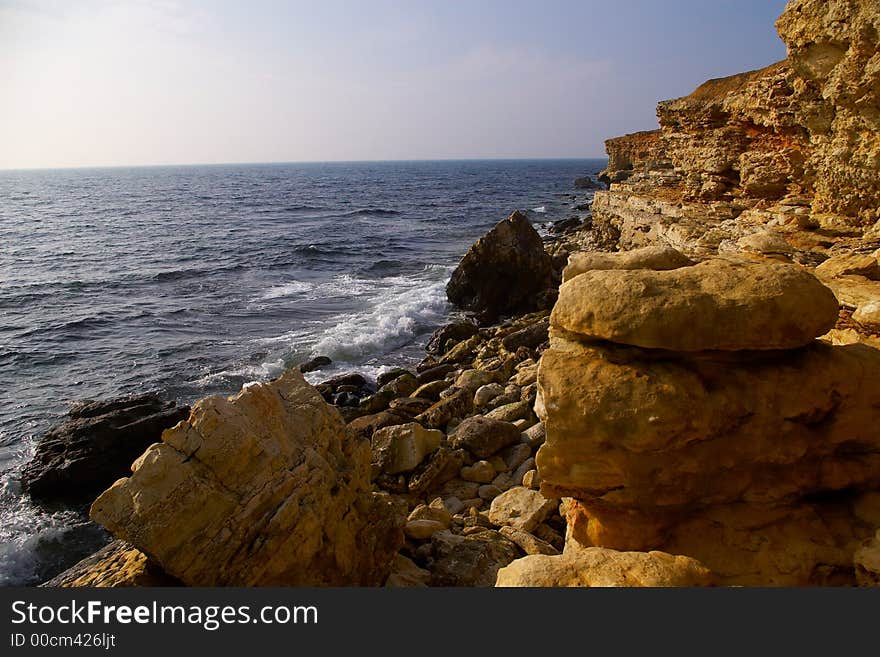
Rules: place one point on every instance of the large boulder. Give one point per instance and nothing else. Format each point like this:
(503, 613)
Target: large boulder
(267, 487)
(95, 445)
(503, 272)
(753, 461)
(717, 304)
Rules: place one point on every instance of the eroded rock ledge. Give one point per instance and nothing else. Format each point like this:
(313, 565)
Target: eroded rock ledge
(793, 148)
(764, 465)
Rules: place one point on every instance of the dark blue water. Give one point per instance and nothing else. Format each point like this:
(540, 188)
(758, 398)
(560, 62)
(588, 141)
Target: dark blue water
(195, 280)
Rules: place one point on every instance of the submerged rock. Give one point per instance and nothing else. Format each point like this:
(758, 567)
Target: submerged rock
(316, 363)
(95, 445)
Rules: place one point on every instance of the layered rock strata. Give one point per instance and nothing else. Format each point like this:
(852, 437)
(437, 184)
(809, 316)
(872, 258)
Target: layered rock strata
(264, 488)
(762, 461)
(793, 149)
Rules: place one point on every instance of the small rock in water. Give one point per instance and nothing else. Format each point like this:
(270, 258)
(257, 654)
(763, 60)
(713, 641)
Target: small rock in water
(316, 363)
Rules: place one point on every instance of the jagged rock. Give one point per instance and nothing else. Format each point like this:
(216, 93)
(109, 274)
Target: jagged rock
(116, 564)
(483, 436)
(402, 447)
(264, 488)
(586, 182)
(95, 445)
(659, 258)
(503, 271)
(717, 304)
(521, 508)
(597, 566)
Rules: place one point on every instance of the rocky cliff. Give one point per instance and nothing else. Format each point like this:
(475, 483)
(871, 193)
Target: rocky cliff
(690, 408)
(792, 148)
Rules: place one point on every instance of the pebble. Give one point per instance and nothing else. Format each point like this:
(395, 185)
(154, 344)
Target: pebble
(532, 480)
(422, 529)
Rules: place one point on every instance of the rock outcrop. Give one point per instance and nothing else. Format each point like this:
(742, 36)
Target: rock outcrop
(264, 488)
(793, 148)
(503, 272)
(756, 463)
(95, 445)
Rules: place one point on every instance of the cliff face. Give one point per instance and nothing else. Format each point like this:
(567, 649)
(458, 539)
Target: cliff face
(794, 147)
(697, 402)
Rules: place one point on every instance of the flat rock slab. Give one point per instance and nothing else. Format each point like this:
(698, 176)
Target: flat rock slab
(596, 566)
(719, 304)
(658, 258)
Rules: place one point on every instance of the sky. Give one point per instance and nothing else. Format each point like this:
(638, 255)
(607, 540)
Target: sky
(139, 82)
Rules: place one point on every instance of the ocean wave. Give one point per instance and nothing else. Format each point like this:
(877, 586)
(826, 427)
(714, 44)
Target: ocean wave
(242, 374)
(286, 290)
(541, 209)
(404, 308)
(372, 212)
(305, 208)
(342, 285)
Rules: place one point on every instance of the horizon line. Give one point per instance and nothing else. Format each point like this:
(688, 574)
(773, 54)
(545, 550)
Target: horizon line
(282, 162)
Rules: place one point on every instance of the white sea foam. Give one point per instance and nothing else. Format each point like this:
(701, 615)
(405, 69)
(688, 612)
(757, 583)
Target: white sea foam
(287, 289)
(342, 285)
(261, 372)
(394, 310)
(541, 209)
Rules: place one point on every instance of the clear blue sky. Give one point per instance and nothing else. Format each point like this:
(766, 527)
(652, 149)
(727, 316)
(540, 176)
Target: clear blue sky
(107, 82)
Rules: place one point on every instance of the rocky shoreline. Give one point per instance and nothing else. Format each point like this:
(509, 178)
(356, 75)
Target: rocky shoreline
(683, 389)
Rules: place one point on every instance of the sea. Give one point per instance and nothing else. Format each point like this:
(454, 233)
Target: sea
(193, 280)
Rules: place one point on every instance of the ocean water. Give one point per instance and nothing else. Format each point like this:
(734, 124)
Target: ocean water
(194, 280)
